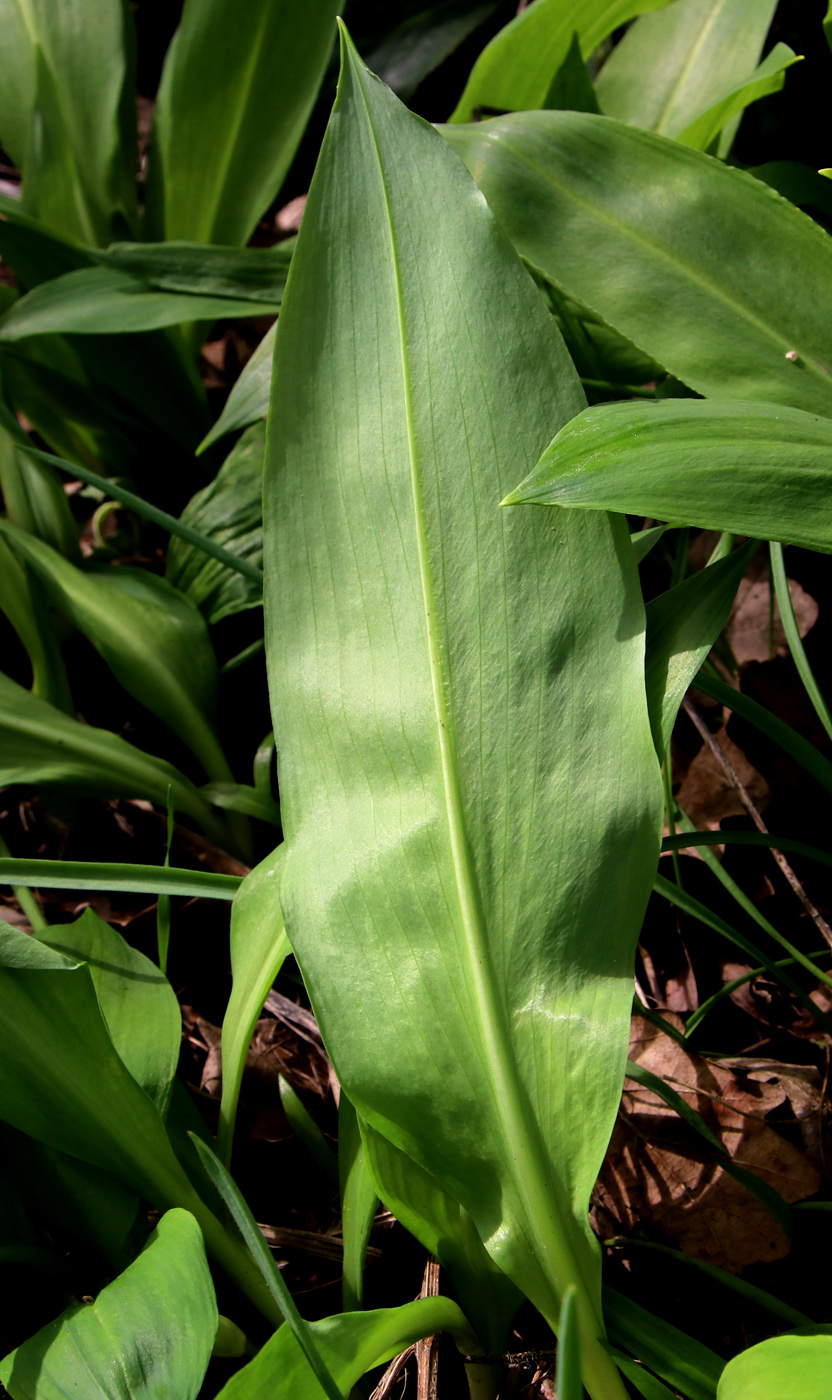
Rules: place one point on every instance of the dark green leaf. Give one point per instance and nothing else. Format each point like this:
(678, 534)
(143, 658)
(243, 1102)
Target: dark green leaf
(679, 1359)
(240, 274)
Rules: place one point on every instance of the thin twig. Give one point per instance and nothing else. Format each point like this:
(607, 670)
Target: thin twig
(426, 1351)
(749, 805)
(391, 1375)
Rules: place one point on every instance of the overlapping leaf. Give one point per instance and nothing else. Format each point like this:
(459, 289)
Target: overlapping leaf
(451, 811)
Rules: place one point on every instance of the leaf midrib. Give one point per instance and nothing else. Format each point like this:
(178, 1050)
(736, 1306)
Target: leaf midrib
(683, 269)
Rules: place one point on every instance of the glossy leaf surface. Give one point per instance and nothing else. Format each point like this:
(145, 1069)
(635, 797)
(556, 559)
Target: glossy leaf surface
(101, 300)
(350, 1345)
(674, 63)
(515, 71)
(418, 773)
(236, 92)
(755, 469)
(147, 1336)
(230, 512)
(40, 744)
(791, 1367)
(154, 640)
(690, 259)
(136, 1000)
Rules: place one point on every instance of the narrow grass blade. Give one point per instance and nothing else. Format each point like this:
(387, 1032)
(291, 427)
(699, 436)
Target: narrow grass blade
(159, 517)
(705, 1007)
(681, 841)
(793, 637)
(359, 1203)
(134, 879)
(758, 1296)
(686, 1365)
(262, 1255)
(163, 906)
(259, 947)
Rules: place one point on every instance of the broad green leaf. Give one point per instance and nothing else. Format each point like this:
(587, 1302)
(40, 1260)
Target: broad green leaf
(421, 42)
(690, 259)
(104, 875)
(240, 274)
(85, 1102)
(152, 637)
(723, 115)
(99, 300)
(178, 528)
(423, 710)
(42, 745)
(259, 947)
(67, 113)
(674, 64)
(686, 1364)
(515, 71)
(359, 1202)
(249, 398)
(488, 1297)
(682, 626)
(237, 89)
(350, 1344)
(136, 1000)
(147, 1335)
(230, 512)
(792, 1367)
(753, 468)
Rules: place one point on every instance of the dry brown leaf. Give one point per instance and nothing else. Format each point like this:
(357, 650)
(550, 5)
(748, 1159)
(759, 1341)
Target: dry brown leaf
(748, 627)
(658, 1174)
(707, 794)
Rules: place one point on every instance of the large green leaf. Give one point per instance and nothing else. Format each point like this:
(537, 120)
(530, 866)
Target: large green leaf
(153, 638)
(229, 512)
(237, 89)
(85, 1102)
(488, 1297)
(692, 260)
(99, 300)
(514, 72)
(136, 1000)
(674, 63)
(753, 468)
(40, 744)
(147, 1336)
(723, 115)
(67, 112)
(241, 274)
(350, 1345)
(451, 812)
(259, 947)
(249, 398)
(792, 1367)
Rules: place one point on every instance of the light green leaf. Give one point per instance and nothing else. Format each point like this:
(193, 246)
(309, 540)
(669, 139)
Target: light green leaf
(792, 1367)
(240, 274)
(104, 875)
(719, 117)
(446, 1230)
(359, 1202)
(229, 512)
(350, 1345)
(249, 398)
(248, 801)
(237, 89)
(259, 947)
(690, 259)
(147, 1335)
(682, 626)
(677, 62)
(102, 300)
(67, 112)
(136, 1000)
(441, 800)
(515, 71)
(42, 745)
(752, 468)
(86, 1103)
(152, 637)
